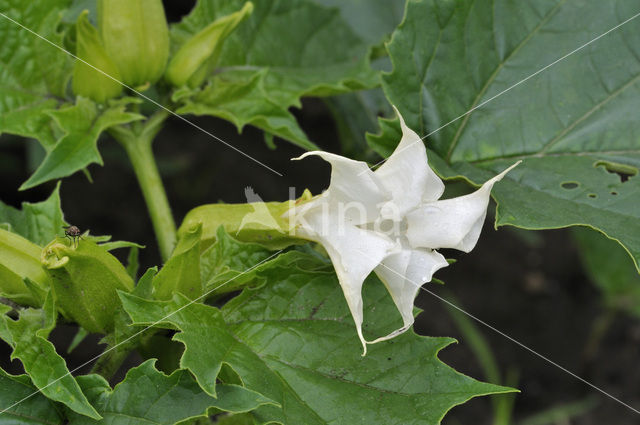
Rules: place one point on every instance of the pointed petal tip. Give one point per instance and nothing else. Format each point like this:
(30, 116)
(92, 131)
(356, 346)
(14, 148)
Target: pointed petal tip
(391, 335)
(518, 162)
(403, 125)
(502, 174)
(363, 342)
(499, 177)
(304, 155)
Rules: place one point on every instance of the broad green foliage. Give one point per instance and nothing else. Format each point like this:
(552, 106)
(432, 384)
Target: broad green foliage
(574, 124)
(81, 125)
(285, 350)
(371, 20)
(356, 116)
(147, 396)
(34, 74)
(37, 409)
(124, 334)
(228, 260)
(125, 337)
(33, 85)
(242, 419)
(47, 370)
(294, 342)
(258, 77)
(39, 222)
(611, 269)
(228, 264)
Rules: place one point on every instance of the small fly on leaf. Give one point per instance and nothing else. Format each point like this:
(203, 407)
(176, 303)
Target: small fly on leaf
(73, 233)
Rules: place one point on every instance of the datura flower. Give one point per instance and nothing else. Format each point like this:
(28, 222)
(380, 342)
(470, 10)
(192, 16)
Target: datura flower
(389, 221)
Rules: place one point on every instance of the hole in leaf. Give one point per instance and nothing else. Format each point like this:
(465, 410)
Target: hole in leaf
(569, 185)
(623, 171)
(592, 195)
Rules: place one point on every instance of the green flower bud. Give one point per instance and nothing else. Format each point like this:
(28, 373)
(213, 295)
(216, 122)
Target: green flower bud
(84, 280)
(87, 81)
(181, 273)
(20, 260)
(197, 57)
(264, 223)
(136, 36)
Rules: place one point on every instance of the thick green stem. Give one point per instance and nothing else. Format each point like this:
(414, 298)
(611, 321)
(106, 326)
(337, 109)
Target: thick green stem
(138, 147)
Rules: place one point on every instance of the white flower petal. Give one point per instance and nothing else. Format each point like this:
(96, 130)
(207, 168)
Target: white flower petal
(354, 253)
(451, 223)
(403, 273)
(407, 175)
(354, 188)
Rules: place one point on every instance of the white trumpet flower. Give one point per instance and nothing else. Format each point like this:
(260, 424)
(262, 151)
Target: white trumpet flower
(390, 222)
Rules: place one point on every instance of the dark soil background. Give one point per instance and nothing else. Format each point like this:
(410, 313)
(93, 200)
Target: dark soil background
(529, 285)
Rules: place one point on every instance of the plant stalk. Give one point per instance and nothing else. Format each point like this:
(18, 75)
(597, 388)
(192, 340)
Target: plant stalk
(138, 147)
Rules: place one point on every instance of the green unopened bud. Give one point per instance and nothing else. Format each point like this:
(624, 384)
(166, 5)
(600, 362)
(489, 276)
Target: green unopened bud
(181, 273)
(20, 260)
(198, 56)
(264, 223)
(87, 81)
(136, 36)
(84, 280)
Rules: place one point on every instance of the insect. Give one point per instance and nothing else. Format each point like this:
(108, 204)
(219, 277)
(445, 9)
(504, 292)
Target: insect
(73, 233)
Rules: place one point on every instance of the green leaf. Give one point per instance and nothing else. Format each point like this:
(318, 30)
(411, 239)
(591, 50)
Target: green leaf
(34, 73)
(356, 114)
(240, 97)
(40, 222)
(610, 269)
(294, 341)
(241, 419)
(80, 335)
(181, 273)
(81, 124)
(147, 396)
(110, 246)
(124, 338)
(574, 124)
(230, 264)
(227, 258)
(30, 408)
(283, 51)
(47, 370)
(371, 20)
(133, 263)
